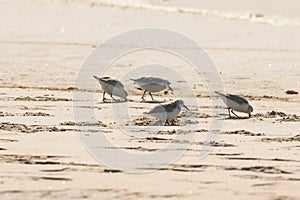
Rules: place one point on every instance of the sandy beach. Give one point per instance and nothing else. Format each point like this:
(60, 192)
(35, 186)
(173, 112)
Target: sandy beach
(255, 48)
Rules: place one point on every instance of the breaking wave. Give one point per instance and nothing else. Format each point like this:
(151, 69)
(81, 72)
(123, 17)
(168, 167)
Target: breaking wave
(243, 16)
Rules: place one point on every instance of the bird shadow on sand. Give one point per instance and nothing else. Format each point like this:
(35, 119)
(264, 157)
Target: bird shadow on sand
(154, 101)
(236, 118)
(111, 102)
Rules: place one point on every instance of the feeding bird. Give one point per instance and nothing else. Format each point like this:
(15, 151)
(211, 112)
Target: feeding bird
(237, 103)
(152, 84)
(167, 111)
(112, 87)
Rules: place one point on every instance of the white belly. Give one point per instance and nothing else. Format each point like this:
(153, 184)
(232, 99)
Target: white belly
(237, 107)
(152, 87)
(163, 116)
(110, 89)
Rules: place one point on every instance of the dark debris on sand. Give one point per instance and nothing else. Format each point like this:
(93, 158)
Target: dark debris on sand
(23, 128)
(5, 114)
(71, 123)
(279, 116)
(243, 132)
(295, 138)
(41, 98)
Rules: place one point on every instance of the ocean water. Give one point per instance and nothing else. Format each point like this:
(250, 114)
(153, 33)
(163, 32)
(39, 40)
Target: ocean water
(273, 12)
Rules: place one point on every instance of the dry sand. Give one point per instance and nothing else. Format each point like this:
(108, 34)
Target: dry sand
(43, 45)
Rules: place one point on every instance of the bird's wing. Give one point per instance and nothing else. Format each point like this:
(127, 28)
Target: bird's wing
(144, 79)
(113, 82)
(170, 106)
(150, 80)
(158, 80)
(163, 108)
(238, 99)
(157, 109)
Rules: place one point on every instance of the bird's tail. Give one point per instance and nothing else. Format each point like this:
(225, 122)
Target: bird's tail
(132, 79)
(96, 77)
(220, 94)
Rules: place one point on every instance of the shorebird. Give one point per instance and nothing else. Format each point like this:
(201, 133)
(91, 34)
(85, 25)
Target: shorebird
(237, 103)
(112, 87)
(152, 84)
(167, 111)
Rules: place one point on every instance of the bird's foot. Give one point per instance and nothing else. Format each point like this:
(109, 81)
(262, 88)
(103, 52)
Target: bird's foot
(234, 114)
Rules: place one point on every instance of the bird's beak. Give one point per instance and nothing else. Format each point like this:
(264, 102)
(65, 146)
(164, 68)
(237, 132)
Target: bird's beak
(186, 107)
(171, 88)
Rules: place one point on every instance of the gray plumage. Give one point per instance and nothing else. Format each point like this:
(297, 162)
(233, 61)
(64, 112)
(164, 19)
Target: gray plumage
(152, 84)
(112, 87)
(167, 111)
(237, 103)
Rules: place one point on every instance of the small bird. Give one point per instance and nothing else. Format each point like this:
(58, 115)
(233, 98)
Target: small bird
(236, 103)
(152, 84)
(112, 87)
(167, 111)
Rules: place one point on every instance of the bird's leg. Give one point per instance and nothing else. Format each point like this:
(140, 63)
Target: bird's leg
(151, 96)
(229, 112)
(167, 122)
(144, 95)
(235, 114)
(103, 97)
(113, 98)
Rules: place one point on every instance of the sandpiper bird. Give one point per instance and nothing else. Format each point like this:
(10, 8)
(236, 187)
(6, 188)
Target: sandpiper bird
(236, 103)
(112, 87)
(167, 111)
(152, 84)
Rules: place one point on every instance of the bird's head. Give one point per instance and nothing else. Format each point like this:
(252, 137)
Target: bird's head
(180, 104)
(250, 110)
